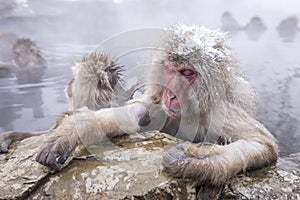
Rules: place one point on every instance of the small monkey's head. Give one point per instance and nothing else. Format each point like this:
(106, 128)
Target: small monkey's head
(27, 54)
(97, 79)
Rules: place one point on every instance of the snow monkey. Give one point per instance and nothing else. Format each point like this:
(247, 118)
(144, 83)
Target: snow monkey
(97, 81)
(28, 62)
(27, 54)
(196, 81)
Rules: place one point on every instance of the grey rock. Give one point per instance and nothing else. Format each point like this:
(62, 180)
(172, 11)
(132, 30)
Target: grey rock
(130, 168)
(280, 181)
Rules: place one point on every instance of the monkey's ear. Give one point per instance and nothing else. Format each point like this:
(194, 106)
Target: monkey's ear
(110, 69)
(69, 88)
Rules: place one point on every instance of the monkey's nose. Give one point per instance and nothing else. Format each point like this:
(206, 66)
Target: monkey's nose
(171, 95)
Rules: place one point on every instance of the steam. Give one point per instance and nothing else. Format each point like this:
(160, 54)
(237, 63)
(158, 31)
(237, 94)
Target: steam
(90, 22)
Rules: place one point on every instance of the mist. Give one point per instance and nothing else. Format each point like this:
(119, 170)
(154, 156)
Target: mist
(92, 21)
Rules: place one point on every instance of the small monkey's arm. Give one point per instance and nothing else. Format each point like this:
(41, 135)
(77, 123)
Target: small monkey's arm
(89, 127)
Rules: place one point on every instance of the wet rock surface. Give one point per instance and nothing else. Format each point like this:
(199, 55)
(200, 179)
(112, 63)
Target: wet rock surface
(19, 173)
(130, 168)
(280, 181)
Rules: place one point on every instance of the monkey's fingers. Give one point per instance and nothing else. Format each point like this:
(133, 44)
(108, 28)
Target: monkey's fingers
(48, 157)
(4, 144)
(55, 154)
(5, 141)
(175, 161)
(179, 162)
(135, 87)
(145, 120)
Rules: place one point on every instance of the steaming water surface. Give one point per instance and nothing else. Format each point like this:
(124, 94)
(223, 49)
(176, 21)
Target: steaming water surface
(35, 106)
(271, 63)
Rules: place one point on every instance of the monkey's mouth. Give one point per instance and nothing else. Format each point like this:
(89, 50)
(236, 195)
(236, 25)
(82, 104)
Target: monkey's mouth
(171, 104)
(174, 113)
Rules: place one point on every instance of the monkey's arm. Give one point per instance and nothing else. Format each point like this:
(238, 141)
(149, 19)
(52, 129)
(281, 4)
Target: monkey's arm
(7, 138)
(6, 69)
(252, 147)
(8, 66)
(88, 127)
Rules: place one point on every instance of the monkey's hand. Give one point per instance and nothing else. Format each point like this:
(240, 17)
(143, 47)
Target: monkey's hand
(196, 161)
(5, 141)
(59, 146)
(90, 127)
(56, 152)
(217, 163)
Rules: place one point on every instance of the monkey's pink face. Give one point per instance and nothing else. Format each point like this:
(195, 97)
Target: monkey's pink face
(16, 57)
(178, 81)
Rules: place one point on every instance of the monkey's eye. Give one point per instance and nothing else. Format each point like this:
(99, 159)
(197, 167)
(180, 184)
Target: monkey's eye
(110, 70)
(187, 72)
(16, 53)
(169, 70)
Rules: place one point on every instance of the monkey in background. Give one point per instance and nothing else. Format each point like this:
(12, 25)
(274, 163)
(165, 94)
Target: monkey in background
(288, 28)
(27, 55)
(7, 69)
(28, 62)
(229, 23)
(255, 28)
(197, 82)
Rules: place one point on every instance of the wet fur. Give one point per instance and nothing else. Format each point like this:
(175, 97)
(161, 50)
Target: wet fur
(97, 82)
